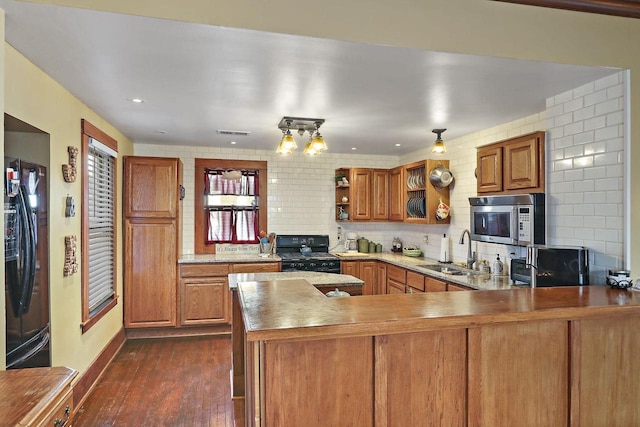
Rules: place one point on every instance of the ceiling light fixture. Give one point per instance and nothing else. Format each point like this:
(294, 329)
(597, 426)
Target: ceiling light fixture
(314, 146)
(136, 100)
(287, 143)
(438, 146)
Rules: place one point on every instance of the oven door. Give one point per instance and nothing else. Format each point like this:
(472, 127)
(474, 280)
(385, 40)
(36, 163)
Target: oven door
(494, 224)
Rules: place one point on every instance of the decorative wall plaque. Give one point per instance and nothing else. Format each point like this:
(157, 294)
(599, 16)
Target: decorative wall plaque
(69, 172)
(70, 263)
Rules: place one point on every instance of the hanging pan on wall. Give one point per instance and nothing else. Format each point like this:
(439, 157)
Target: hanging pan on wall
(440, 177)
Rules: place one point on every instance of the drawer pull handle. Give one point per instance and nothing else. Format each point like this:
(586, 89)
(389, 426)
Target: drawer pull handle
(61, 423)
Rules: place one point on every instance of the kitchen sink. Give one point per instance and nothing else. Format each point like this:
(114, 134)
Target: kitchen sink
(454, 271)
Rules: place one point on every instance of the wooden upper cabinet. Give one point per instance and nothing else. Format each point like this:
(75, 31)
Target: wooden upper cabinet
(521, 164)
(380, 194)
(361, 194)
(396, 191)
(515, 165)
(489, 169)
(154, 187)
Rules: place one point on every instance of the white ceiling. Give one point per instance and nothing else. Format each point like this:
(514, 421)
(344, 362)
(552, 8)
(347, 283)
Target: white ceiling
(195, 79)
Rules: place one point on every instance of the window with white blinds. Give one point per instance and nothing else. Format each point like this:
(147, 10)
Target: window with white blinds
(101, 239)
(99, 224)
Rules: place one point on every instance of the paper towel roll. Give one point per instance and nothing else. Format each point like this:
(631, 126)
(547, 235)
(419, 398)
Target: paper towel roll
(444, 249)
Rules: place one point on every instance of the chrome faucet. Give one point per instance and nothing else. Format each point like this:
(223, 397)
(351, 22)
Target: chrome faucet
(471, 258)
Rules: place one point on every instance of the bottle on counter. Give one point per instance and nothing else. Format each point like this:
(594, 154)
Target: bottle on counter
(498, 266)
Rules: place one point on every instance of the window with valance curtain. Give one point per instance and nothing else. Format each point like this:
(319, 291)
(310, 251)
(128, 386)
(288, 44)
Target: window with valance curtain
(230, 205)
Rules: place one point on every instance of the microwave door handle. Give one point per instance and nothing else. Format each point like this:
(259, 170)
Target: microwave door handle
(515, 225)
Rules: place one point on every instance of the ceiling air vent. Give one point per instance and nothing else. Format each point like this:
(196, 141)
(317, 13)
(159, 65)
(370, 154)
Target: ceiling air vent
(233, 132)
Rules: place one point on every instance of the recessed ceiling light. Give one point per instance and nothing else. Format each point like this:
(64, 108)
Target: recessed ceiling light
(353, 148)
(398, 145)
(232, 142)
(136, 100)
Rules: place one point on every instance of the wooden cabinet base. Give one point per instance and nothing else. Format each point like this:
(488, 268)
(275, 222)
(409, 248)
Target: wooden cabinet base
(37, 396)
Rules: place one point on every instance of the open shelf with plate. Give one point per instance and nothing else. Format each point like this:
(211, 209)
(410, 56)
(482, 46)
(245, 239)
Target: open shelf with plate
(343, 194)
(421, 198)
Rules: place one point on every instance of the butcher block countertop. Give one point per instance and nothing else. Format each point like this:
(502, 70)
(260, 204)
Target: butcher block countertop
(289, 309)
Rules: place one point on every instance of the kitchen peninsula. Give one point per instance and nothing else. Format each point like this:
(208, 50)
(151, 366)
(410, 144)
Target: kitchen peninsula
(546, 356)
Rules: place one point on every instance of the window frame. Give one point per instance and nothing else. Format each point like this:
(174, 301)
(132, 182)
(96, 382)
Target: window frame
(90, 131)
(200, 231)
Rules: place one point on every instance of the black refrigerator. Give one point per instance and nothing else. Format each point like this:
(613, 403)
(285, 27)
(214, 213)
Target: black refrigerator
(26, 265)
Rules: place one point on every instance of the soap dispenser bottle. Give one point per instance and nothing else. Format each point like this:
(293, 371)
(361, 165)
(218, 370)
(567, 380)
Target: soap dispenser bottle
(498, 266)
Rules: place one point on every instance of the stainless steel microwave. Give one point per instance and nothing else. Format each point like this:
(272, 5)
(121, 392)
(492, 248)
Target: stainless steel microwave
(517, 219)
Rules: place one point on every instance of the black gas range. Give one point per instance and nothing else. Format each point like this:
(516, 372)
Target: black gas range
(306, 253)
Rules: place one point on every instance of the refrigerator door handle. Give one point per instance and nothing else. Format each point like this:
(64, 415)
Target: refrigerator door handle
(29, 268)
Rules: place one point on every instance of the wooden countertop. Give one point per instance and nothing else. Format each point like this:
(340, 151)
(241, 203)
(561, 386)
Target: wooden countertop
(25, 394)
(289, 309)
(313, 277)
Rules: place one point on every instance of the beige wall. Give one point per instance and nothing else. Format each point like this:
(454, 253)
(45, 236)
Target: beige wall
(33, 97)
(466, 26)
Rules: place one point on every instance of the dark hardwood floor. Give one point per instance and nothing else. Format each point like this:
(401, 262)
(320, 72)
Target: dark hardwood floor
(165, 382)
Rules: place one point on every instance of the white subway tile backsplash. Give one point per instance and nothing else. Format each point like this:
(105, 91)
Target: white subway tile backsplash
(608, 81)
(574, 104)
(605, 159)
(573, 128)
(595, 97)
(608, 106)
(563, 119)
(563, 165)
(584, 90)
(595, 123)
(594, 222)
(584, 113)
(574, 175)
(583, 162)
(564, 97)
(595, 173)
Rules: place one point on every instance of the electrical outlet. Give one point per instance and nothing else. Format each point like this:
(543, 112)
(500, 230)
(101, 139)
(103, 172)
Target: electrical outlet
(425, 239)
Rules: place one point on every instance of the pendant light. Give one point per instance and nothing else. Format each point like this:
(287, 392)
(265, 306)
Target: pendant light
(287, 143)
(316, 144)
(438, 146)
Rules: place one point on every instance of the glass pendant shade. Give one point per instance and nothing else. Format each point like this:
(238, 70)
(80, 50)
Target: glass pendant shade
(318, 144)
(438, 147)
(309, 150)
(287, 144)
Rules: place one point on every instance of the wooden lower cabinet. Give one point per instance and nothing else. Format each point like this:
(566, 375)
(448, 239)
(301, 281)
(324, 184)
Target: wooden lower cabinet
(394, 287)
(364, 270)
(605, 376)
(455, 287)
(204, 290)
(204, 294)
(421, 379)
(518, 374)
(396, 279)
(415, 281)
(434, 285)
(338, 394)
(381, 278)
(150, 273)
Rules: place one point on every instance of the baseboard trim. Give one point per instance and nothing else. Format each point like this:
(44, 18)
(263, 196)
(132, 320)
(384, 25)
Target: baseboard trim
(89, 378)
(192, 331)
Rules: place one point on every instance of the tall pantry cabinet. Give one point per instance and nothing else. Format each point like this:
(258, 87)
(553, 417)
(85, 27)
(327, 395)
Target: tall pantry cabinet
(152, 243)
